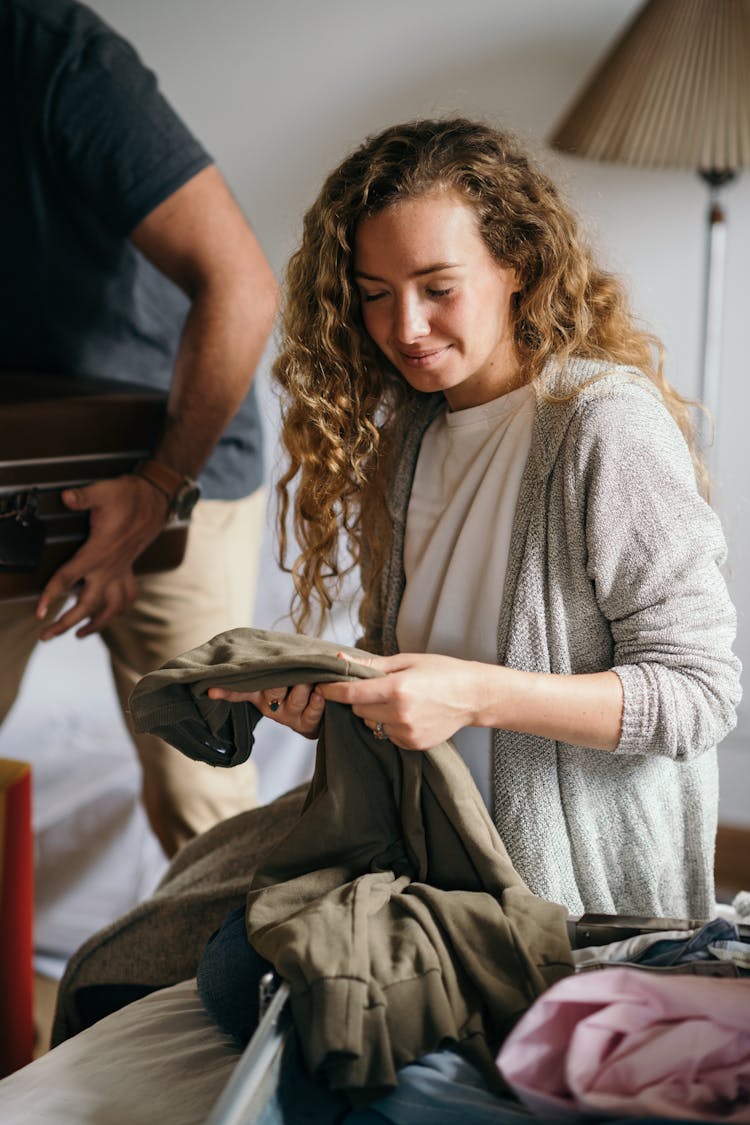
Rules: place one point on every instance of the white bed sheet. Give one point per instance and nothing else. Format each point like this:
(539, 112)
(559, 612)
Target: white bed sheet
(159, 1060)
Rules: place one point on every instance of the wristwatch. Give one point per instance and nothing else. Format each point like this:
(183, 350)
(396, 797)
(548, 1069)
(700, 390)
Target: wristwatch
(182, 492)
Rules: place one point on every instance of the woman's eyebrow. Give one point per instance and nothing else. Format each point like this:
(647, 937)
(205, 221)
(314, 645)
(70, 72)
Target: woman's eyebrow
(417, 273)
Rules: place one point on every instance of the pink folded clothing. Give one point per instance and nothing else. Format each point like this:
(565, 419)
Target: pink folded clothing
(630, 1042)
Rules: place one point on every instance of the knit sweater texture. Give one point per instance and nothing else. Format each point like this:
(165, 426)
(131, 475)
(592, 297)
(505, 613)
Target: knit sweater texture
(614, 563)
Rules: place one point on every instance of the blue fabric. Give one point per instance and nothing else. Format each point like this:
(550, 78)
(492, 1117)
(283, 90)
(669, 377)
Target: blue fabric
(299, 1099)
(228, 977)
(441, 1088)
(680, 951)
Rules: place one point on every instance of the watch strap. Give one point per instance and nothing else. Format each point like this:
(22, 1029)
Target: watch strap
(168, 481)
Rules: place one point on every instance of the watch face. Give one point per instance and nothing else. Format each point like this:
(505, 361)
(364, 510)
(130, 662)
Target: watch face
(185, 501)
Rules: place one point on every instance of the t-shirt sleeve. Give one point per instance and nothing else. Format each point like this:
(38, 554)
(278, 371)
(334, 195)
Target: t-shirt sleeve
(116, 142)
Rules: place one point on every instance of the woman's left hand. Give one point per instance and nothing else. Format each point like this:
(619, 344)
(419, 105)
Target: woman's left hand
(420, 701)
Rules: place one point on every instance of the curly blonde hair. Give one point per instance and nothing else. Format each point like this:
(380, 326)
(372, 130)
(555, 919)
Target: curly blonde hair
(342, 401)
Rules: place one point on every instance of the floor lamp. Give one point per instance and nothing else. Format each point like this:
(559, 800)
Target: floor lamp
(674, 91)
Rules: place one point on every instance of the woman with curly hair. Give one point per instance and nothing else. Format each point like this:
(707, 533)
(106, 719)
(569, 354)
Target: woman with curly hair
(473, 418)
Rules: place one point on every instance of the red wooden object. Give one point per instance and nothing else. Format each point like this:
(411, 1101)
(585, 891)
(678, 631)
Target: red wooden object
(16, 917)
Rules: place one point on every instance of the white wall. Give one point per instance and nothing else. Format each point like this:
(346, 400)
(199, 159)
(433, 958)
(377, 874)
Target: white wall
(280, 90)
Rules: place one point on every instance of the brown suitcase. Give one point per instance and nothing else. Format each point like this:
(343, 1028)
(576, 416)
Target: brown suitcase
(56, 433)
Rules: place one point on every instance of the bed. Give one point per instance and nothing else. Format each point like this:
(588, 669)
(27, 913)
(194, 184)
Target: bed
(133, 1043)
(160, 1058)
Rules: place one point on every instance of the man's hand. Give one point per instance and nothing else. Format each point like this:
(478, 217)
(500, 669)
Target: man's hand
(125, 515)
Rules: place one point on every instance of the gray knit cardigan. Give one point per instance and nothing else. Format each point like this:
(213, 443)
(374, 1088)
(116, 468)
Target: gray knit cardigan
(614, 563)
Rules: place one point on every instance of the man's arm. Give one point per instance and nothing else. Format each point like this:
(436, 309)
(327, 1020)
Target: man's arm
(198, 238)
(201, 241)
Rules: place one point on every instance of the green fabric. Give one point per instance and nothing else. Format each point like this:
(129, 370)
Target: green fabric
(391, 906)
(173, 701)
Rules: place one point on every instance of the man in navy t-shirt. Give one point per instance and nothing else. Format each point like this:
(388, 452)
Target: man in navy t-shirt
(125, 256)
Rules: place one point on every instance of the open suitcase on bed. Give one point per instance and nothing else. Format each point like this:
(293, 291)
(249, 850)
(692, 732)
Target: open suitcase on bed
(59, 433)
(256, 1076)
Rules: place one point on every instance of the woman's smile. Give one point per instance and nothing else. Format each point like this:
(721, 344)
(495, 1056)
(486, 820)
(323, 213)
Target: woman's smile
(424, 359)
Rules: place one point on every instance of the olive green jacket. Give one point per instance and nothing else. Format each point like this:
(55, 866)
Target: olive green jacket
(391, 907)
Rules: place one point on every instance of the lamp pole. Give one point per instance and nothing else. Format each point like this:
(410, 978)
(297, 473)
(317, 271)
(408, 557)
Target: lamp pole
(713, 306)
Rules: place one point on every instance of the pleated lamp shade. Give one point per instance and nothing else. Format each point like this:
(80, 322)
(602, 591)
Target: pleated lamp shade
(673, 91)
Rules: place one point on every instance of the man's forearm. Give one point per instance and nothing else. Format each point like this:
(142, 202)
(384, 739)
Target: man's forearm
(222, 343)
(200, 240)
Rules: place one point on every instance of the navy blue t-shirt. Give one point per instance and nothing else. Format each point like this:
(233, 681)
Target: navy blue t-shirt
(90, 147)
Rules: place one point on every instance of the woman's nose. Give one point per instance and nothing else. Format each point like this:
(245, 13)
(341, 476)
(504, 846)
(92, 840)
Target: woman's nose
(410, 321)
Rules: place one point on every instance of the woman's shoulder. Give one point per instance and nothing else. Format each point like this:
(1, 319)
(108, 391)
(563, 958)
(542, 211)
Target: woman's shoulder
(586, 404)
(594, 393)
(578, 380)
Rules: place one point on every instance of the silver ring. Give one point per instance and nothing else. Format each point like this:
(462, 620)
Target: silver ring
(379, 731)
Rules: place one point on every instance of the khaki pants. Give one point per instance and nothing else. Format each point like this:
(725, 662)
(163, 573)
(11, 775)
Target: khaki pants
(211, 591)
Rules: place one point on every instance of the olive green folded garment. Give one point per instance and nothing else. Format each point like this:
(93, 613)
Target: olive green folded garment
(173, 701)
(391, 906)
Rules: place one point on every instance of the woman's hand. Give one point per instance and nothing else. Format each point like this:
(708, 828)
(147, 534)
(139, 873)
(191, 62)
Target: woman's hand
(420, 701)
(300, 708)
(423, 699)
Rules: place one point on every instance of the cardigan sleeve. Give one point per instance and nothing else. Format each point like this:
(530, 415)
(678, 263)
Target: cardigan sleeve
(654, 554)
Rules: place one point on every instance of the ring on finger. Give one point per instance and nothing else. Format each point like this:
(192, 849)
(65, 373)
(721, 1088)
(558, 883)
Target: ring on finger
(379, 731)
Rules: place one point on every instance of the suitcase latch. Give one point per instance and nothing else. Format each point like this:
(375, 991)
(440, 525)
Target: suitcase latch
(21, 532)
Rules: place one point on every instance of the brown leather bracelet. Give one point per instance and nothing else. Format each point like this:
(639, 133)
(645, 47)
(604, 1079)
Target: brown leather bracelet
(167, 481)
(181, 492)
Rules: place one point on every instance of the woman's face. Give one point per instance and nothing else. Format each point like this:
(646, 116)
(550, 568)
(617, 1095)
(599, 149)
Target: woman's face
(435, 301)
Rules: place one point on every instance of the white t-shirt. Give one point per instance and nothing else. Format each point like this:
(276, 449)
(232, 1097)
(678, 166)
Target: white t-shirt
(458, 530)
